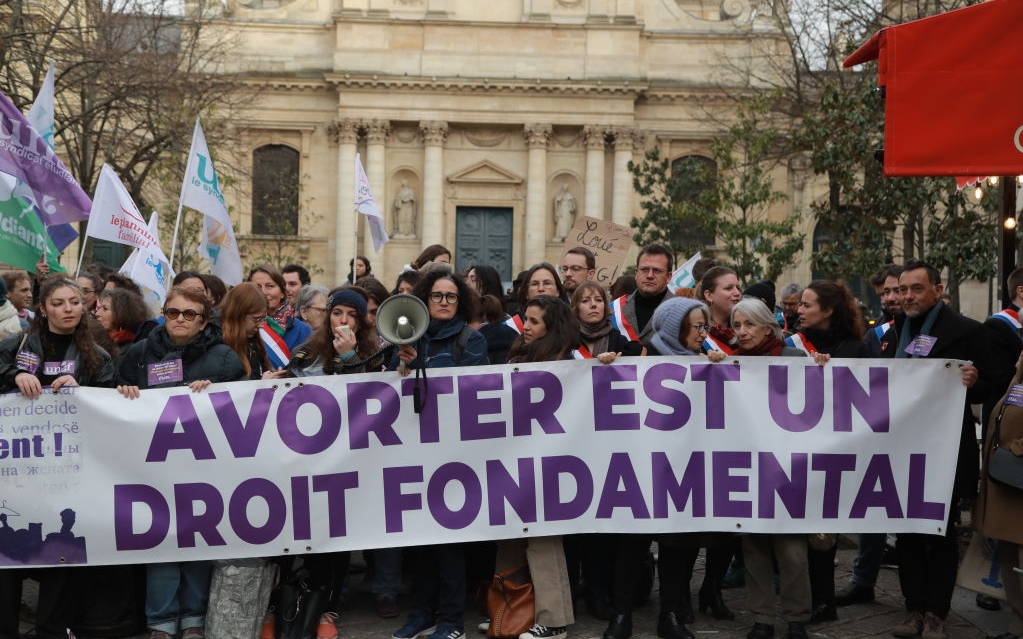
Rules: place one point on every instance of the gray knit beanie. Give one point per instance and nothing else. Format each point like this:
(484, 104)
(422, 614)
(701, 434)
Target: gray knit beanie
(667, 321)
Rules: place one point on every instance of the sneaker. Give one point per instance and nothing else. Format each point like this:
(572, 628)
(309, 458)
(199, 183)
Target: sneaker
(448, 632)
(543, 632)
(418, 624)
(911, 627)
(192, 633)
(934, 627)
(327, 627)
(386, 607)
(269, 629)
(484, 625)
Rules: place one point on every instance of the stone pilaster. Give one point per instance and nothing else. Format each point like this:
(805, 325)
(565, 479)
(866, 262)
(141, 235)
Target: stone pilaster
(537, 136)
(435, 134)
(346, 134)
(595, 138)
(376, 170)
(621, 183)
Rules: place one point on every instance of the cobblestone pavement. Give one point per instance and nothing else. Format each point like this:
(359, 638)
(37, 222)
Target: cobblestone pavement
(966, 621)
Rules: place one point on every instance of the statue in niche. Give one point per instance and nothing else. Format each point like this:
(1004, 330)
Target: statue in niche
(564, 213)
(405, 211)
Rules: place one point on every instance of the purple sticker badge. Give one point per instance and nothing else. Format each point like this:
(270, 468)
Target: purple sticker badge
(28, 361)
(921, 346)
(1015, 396)
(56, 369)
(169, 372)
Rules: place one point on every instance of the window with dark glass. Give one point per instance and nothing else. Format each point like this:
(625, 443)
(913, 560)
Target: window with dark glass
(694, 182)
(275, 190)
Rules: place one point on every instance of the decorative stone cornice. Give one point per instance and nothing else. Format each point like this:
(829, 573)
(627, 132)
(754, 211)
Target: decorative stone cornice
(434, 133)
(537, 135)
(344, 131)
(349, 81)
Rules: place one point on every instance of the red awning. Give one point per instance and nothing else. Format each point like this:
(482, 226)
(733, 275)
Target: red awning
(954, 91)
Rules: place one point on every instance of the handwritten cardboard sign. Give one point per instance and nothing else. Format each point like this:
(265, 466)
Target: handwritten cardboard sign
(609, 242)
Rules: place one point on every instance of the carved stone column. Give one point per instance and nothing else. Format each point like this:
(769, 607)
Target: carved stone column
(346, 134)
(625, 140)
(595, 139)
(376, 170)
(533, 247)
(432, 217)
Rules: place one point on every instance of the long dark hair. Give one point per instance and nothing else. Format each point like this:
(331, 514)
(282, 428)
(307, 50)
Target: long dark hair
(562, 333)
(846, 320)
(524, 291)
(88, 350)
(468, 299)
(321, 344)
(429, 254)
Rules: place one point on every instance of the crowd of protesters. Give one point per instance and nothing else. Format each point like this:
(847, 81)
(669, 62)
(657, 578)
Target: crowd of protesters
(278, 324)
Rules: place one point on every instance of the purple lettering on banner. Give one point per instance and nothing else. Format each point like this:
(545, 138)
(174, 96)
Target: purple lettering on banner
(327, 429)
(126, 496)
(335, 485)
(243, 439)
(361, 422)
(879, 471)
(525, 410)
(301, 522)
(238, 507)
(621, 473)
(471, 407)
(916, 506)
(692, 486)
(714, 377)
(833, 465)
(395, 501)
(772, 480)
(551, 470)
(204, 523)
(872, 405)
(659, 384)
(723, 483)
(813, 397)
(502, 488)
(429, 420)
(192, 437)
(471, 489)
(606, 398)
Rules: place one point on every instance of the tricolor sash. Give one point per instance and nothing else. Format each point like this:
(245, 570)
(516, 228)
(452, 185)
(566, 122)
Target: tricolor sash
(881, 329)
(515, 322)
(582, 353)
(798, 340)
(619, 321)
(277, 350)
(711, 343)
(1010, 317)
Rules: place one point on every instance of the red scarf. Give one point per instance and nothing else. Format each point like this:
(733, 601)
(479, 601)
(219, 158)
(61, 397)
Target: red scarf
(770, 346)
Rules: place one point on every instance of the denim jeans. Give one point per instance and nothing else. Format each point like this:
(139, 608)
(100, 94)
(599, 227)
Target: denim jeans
(177, 594)
(386, 572)
(868, 560)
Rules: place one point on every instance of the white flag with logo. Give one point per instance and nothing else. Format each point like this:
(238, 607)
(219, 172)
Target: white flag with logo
(150, 270)
(367, 205)
(201, 191)
(115, 217)
(683, 275)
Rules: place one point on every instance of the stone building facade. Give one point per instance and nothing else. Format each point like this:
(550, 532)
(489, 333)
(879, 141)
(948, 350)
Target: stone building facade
(474, 118)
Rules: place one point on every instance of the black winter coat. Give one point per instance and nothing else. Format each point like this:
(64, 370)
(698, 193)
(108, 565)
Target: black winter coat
(104, 377)
(205, 357)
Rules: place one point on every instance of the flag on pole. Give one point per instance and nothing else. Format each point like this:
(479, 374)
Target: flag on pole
(115, 217)
(150, 269)
(42, 118)
(25, 155)
(22, 234)
(683, 275)
(365, 204)
(201, 191)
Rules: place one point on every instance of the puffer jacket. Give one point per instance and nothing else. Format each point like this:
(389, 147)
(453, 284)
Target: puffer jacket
(9, 322)
(205, 357)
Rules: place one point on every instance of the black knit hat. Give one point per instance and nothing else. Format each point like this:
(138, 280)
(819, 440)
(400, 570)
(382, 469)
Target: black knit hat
(763, 291)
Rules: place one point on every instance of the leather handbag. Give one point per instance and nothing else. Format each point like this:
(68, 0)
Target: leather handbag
(511, 603)
(300, 607)
(1004, 467)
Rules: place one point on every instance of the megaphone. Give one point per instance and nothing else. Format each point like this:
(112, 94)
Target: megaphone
(402, 319)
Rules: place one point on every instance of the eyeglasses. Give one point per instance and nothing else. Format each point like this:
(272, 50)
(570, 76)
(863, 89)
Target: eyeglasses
(88, 291)
(257, 319)
(322, 309)
(702, 328)
(651, 270)
(544, 284)
(572, 269)
(175, 313)
(437, 297)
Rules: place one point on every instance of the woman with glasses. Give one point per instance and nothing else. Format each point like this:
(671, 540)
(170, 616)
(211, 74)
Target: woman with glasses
(57, 351)
(242, 312)
(311, 306)
(186, 350)
(540, 279)
(830, 325)
(439, 570)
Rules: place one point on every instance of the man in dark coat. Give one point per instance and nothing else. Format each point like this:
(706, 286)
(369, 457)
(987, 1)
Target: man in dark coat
(929, 329)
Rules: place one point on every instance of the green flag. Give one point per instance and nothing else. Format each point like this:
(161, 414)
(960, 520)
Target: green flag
(21, 236)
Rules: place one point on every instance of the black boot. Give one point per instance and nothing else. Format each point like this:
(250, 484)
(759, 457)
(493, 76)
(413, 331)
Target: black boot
(620, 627)
(761, 631)
(710, 598)
(797, 630)
(669, 626)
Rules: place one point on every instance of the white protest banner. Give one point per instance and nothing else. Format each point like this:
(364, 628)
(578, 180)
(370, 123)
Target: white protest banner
(647, 445)
(609, 242)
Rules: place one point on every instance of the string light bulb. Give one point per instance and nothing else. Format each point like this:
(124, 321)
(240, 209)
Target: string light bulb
(978, 192)
(1009, 223)
(993, 180)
